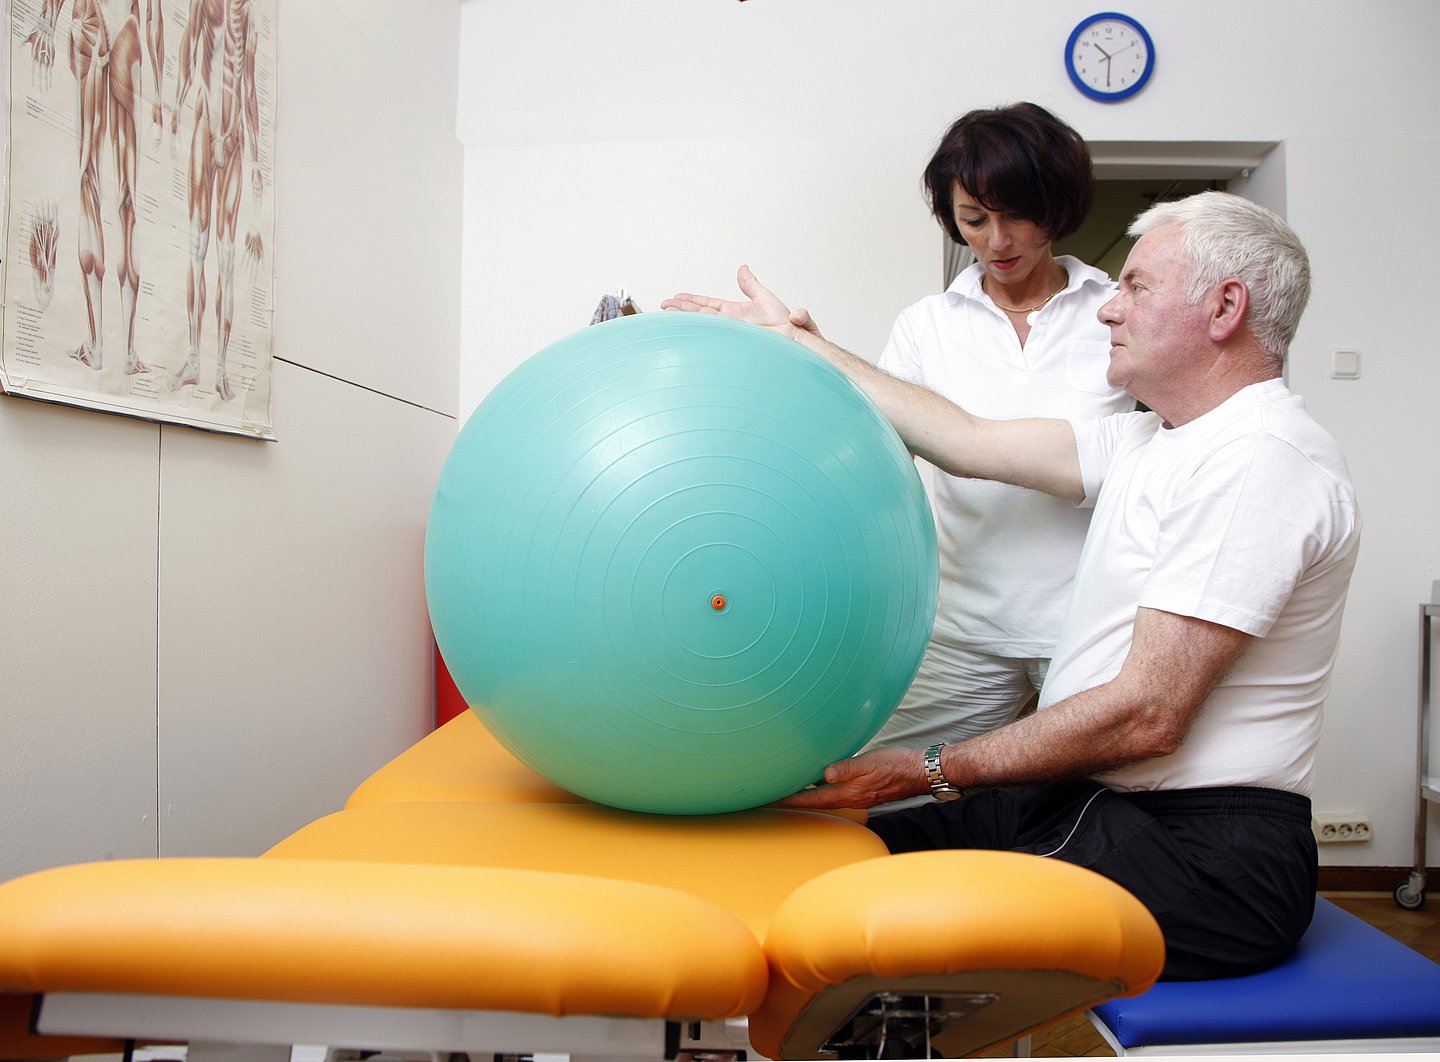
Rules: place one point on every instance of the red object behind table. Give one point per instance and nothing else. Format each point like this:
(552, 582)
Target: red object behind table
(448, 702)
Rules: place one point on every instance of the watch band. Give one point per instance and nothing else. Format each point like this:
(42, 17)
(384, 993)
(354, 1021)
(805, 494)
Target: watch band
(939, 787)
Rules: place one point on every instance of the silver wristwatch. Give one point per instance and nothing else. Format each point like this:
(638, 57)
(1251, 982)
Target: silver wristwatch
(939, 787)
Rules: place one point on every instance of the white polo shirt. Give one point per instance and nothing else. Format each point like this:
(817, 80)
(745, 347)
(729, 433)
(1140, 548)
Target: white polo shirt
(1007, 555)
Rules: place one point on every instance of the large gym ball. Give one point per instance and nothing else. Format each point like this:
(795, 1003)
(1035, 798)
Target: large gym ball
(678, 564)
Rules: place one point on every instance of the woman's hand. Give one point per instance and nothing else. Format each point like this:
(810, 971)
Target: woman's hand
(872, 778)
(759, 307)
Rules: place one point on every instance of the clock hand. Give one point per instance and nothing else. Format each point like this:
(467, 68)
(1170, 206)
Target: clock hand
(1102, 51)
(1109, 65)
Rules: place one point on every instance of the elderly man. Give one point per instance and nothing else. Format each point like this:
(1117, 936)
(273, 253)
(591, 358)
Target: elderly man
(1174, 749)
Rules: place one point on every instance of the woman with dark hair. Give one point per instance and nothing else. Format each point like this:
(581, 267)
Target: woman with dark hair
(1020, 160)
(1015, 335)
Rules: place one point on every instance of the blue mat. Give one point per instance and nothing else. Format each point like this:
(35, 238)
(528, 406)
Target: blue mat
(1345, 981)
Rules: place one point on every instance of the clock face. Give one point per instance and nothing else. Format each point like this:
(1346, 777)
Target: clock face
(1109, 57)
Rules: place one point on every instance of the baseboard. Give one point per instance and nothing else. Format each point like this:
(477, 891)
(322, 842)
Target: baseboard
(1369, 879)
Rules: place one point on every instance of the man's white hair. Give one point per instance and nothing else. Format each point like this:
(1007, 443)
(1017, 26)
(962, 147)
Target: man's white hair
(1225, 235)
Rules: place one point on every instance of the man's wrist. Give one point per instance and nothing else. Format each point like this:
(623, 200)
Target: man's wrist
(940, 787)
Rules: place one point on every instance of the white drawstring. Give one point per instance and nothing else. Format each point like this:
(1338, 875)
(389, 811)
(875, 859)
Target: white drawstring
(1078, 819)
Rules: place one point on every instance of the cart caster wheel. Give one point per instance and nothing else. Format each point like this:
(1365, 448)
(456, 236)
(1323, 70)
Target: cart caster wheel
(1409, 896)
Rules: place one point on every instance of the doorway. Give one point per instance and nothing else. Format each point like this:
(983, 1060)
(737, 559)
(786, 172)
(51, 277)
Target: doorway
(1134, 175)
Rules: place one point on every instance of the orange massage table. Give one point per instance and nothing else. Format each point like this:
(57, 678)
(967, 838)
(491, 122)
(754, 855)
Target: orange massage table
(459, 902)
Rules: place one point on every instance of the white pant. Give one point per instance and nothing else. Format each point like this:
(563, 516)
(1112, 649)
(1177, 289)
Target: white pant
(959, 693)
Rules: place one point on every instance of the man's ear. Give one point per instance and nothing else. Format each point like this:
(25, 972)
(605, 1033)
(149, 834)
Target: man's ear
(1229, 301)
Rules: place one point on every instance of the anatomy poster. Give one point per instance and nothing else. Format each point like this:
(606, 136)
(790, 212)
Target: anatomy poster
(139, 208)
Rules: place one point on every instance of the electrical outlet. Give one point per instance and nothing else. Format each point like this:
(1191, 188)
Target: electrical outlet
(1342, 827)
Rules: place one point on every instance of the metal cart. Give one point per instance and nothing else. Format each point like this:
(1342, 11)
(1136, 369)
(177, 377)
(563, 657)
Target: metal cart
(1410, 893)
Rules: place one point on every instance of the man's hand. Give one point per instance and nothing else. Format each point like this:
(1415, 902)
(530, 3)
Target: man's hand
(875, 777)
(759, 307)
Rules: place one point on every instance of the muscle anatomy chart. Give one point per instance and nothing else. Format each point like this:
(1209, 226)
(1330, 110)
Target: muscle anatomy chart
(140, 137)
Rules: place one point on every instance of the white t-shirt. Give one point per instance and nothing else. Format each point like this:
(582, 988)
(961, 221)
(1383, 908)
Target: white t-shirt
(1245, 517)
(1007, 554)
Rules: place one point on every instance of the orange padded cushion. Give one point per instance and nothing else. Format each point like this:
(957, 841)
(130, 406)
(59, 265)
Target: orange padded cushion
(953, 921)
(460, 761)
(379, 935)
(746, 862)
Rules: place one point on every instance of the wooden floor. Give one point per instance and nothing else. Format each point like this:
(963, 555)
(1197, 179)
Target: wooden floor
(1417, 929)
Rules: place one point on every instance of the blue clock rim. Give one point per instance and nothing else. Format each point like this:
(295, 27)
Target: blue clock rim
(1096, 94)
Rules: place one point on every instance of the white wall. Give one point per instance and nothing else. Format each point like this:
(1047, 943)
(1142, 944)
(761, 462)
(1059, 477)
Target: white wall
(206, 641)
(656, 145)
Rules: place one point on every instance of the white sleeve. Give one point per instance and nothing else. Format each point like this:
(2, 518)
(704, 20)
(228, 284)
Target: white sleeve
(901, 356)
(1242, 530)
(1097, 440)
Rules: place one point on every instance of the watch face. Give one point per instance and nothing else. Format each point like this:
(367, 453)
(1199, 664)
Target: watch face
(1109, 57)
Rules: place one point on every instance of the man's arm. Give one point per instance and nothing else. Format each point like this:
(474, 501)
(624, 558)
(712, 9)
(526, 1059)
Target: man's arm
(1144, 712)
(1035, 453)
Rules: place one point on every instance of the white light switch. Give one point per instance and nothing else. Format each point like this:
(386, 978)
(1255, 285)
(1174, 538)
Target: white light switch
(1344, 365)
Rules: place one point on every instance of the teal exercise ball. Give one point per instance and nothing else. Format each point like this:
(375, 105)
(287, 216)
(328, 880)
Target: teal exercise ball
(678, 564)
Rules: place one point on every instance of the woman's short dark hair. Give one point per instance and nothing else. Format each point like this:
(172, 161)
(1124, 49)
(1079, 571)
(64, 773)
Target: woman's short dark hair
(1019, 159)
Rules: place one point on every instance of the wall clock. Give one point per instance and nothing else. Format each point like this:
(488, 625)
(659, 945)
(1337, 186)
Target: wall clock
(1109, 57)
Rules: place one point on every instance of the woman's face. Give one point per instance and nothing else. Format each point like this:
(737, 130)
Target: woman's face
(1010, 248)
